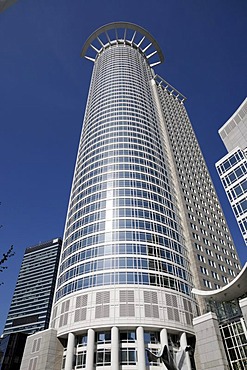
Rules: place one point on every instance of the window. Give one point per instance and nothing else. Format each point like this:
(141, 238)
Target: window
(198, 247)
(229, 162)
(219, 257)
(196, 236)
(81, 360)
(201, 222)
(231, 272)
(237, 266)
(216, 246)
(193, 226)
(127, 336)
(204, 270)
(103, 337)
(212, 263)
(128, 356)
(81, 340)
(207, 283)
(191, 217)
(229, 262)
(103, 357)
(215, 275)
(222, 268)
(210, 227)
(225, 279)
(206, 241)
(209, 252)
(151, 337)
(204, 232)
(201, 258)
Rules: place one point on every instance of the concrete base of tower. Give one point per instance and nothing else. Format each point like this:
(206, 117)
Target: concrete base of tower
(43, 350)
(209, 345)
(110, 348)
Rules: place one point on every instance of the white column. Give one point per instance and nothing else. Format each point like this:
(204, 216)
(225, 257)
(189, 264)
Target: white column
(70, 352)
(114, 348)
(90, 349)
(183, 345)
(163, 338)
(140, 348)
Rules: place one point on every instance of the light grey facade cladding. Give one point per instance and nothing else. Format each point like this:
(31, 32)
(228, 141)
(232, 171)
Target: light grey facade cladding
(131, 243)
(32, 300)
(209, 346)
(43, 351)
(214, 260)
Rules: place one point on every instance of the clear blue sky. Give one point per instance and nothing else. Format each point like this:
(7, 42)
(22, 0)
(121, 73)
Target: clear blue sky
(43, 89)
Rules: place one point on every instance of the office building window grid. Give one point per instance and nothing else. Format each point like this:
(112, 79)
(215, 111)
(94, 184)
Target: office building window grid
(208, 231)
(36, 283)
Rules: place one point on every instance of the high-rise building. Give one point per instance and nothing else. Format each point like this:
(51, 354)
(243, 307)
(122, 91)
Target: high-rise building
(32, 300)
(232, 168)
(144, 224)
(11, 351)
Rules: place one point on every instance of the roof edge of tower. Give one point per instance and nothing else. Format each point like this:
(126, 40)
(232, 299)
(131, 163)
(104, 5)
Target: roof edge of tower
(126, 26)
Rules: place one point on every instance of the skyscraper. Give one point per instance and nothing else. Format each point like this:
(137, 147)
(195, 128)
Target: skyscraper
(32, 300)
(232, 168)
(144, 224)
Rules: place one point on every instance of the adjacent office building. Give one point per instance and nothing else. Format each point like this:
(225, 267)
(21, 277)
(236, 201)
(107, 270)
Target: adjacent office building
(232, 168)
(144, 224)
(11, 351)
(221, 333)
(32, 300)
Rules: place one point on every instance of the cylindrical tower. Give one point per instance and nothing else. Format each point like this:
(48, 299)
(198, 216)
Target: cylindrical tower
(124, 282)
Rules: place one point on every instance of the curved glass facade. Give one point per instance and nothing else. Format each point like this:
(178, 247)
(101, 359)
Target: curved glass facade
(122, 225)
(143, 215)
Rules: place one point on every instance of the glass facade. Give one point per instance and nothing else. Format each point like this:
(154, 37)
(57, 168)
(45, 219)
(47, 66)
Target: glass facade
(123, 225)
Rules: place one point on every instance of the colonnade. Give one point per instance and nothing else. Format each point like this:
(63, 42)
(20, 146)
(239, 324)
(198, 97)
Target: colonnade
(140, 347)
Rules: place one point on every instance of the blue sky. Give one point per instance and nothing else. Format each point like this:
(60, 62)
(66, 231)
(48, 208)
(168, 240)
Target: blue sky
(43, 90)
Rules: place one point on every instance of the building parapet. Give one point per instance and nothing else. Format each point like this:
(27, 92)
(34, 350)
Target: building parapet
(171, 89)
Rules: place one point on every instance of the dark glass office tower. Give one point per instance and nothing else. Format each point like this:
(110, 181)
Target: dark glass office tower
(32, 300)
